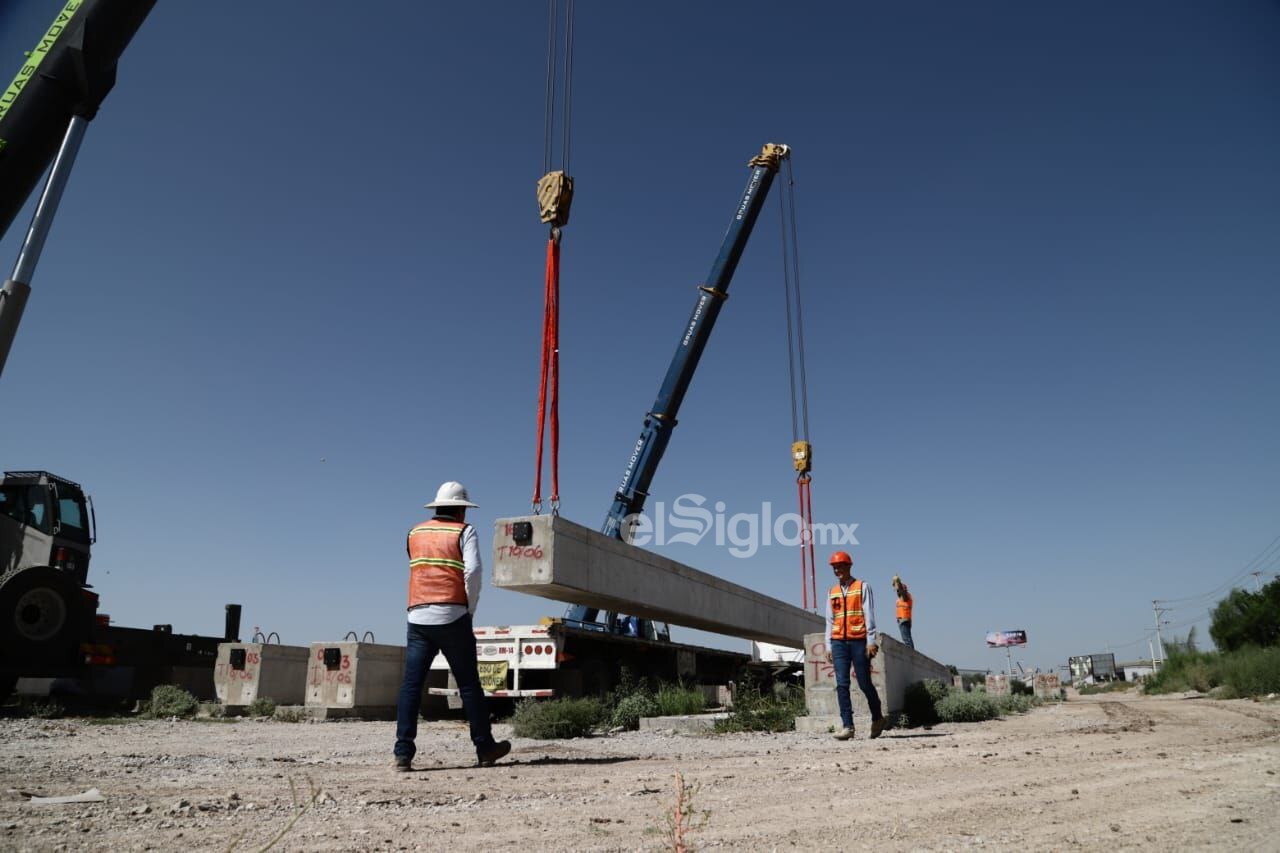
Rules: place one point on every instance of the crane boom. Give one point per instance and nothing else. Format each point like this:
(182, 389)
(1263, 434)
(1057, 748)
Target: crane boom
(647, 453)
(44, 112)
(661, 419)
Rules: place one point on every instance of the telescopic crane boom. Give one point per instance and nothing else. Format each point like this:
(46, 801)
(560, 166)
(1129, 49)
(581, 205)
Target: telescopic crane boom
(44, 112)
(647, 453)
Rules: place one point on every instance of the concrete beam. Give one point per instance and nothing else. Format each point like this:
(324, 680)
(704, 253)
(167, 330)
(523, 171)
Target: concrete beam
(568, 562)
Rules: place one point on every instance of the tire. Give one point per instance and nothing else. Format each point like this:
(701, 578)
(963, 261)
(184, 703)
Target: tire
(42, 619)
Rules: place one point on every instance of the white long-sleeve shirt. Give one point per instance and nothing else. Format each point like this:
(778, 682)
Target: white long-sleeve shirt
(472, 575)
(868, 612)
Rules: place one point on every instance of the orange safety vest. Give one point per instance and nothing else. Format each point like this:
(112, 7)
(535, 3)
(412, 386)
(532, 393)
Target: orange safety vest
(435, 563)
(904, 607)
(847, 619)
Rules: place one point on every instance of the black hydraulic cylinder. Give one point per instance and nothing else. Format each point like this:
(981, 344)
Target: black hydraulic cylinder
(70, 71)
(231, 630)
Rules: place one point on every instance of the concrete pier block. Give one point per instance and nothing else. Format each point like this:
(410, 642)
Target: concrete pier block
(244, 672)
(1047, 685)
(551, 557)
(894, 669)
(349, 679)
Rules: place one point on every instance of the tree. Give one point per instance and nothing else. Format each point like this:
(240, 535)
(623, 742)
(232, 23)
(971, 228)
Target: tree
(1247, 618)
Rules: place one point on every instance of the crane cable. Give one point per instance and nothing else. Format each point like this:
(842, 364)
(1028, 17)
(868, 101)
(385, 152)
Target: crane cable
(555, 194)
(801, 449)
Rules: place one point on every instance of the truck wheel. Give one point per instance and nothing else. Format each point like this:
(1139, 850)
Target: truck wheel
(41, 618)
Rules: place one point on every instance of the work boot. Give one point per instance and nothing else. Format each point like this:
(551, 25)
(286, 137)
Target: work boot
(845, 734)
(877, 726)
(403, 764)
(487, 757)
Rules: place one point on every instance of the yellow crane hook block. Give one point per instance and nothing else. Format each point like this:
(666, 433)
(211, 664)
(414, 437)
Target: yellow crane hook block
(802, 456)
(555, 194)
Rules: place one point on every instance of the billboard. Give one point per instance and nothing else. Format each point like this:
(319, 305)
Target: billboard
(996, 639)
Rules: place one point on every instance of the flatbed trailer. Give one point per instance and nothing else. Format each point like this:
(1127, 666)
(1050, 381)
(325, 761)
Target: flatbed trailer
(554, 659)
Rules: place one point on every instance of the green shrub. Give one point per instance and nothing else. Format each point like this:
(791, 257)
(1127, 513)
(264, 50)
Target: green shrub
(1018, 687)
(1251, 671)
(290, 715)
(170, 700)
(763, 711)
(1015, 703)
(262, 707)
(674, 700)
(920, 702)
(1185, 671)
(628, 710)
(967, 708)
(557, 718)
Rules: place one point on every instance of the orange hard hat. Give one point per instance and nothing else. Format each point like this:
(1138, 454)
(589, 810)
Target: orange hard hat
(841, 557)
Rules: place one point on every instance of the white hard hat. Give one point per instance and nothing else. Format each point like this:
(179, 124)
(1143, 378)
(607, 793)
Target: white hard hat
(451, 493)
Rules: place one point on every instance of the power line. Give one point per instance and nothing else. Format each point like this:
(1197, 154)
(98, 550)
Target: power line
(1271, 552)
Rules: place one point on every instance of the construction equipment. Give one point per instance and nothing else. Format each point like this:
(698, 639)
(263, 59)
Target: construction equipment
(661, 419)
(46, 609)
(44, 112)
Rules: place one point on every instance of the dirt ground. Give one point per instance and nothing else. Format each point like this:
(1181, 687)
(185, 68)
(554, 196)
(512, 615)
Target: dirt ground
(1115, 771)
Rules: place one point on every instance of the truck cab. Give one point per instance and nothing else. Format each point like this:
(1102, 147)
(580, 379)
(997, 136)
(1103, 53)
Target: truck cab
(46, 608)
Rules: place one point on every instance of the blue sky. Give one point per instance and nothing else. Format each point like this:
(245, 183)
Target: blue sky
(296, 283)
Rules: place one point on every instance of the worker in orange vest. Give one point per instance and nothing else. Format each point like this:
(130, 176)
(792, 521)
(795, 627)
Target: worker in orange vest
(851, 641)
(444, 588)
(904, 610)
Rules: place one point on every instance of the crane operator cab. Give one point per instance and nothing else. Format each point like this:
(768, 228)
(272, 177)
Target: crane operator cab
(46, 610)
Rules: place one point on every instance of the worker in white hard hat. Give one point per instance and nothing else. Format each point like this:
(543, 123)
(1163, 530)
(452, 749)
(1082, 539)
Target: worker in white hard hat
(444, 588)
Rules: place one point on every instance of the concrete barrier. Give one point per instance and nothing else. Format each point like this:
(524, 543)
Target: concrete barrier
(244, 672)
(894, 669)
(998, 685)
(351, 679)
(1047, 685)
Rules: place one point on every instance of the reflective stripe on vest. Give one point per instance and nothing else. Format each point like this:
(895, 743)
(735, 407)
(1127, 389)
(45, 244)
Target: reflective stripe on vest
(904, 607)
(435, 563)
(847, 619)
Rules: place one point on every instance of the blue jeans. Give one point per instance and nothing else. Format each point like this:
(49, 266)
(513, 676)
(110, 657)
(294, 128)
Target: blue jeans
(844, 653)
(458, 644)
(904, 628)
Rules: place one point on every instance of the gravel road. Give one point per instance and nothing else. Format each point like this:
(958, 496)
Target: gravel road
(1117, 771)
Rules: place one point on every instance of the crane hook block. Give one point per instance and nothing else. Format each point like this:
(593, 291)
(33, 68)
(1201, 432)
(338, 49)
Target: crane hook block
(555, 194)
(770, 156)
(802, 456)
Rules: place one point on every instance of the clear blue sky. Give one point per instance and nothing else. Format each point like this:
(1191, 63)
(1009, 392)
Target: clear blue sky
(296, 283)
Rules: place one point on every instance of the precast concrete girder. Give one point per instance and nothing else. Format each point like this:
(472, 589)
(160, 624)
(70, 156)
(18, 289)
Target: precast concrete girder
(548, 556)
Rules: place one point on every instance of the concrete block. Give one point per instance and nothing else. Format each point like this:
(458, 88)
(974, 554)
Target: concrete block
(244, 672)
(685, 724)
(1047, 685)
(894, 669)
(998, 685)
(568, 562)
(354, 679)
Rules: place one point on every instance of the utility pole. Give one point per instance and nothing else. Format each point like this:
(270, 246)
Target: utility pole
(1155, 607)
(1257, 581)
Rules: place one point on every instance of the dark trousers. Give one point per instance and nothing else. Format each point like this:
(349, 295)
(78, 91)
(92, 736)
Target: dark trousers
(844, 653)
(458, 644)
(904, 628)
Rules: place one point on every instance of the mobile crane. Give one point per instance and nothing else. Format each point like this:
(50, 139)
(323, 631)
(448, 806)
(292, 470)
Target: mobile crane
(582, 653)
(49, 624)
